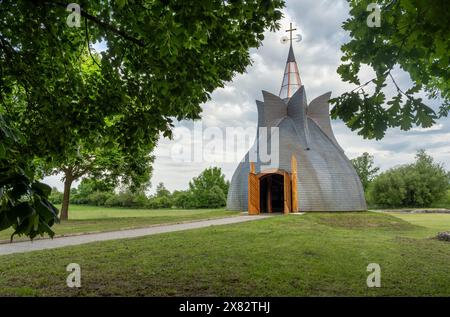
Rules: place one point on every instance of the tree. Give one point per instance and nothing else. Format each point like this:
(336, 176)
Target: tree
(162, 191)
(209, 189)
(365, 168)
(414, 185)
(159, 202)
(55, 197)
(99, 155)
(389, 188)
(413, 35)
(162, 59)
(182, 199)
(108, 165)
(127, 198)
(89, 187)
(161, 199)
(213, 198)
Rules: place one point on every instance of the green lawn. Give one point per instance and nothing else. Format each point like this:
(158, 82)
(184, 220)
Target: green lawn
(433, 222)
(84, 219)
(324, 254)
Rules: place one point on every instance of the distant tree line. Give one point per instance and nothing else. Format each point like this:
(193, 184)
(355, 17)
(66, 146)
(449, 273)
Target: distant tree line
(423, 183)
(208, 190)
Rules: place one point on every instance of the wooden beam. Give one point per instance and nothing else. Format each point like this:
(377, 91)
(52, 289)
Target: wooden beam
(252, 168)
(253, 194)
(287, 193)
(294, 183)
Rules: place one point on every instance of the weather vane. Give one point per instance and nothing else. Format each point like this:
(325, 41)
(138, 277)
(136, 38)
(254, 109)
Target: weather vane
(285, 38)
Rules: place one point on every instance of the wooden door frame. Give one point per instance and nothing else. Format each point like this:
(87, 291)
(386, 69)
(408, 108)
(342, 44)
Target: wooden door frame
(254, 207)
(253, 194)
(294, 197)
(287, 192)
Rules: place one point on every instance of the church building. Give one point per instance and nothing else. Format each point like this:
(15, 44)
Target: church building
(312, 172)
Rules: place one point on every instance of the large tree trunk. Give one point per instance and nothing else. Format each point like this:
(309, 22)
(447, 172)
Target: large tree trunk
(66, 197)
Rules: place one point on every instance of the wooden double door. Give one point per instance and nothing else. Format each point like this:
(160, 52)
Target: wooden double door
(271, 191)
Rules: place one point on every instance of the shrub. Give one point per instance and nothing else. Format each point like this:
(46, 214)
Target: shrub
(388, 189)
(113, 201)
(161, 199)
(130, 199)
(56, 196)
(161, 191)
(444, 202)
(214, 198)
(209, 189)
(91, 192)
(365, 168)
(159, 202)
(98, 198)
(182, 199)
(415, 185)
(77, 198)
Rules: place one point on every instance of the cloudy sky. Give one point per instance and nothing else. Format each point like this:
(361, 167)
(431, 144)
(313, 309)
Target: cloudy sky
(318, 56)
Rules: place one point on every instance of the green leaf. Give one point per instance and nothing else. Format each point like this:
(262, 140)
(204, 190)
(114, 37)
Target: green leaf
(42, 189)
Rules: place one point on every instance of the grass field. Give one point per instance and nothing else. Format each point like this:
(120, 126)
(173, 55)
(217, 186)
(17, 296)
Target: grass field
(322, 254)
(433, 222)
(85, 219)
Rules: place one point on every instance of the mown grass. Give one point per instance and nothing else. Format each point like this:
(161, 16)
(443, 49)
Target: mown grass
(317, 254)
(87, 219)
(431, 223)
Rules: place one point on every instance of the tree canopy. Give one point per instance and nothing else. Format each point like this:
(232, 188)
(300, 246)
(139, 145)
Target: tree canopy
(98, 155)
(413, 35)
(413, 185)
(366, 169)
(209, 189)
(162, 60)
(107, 164)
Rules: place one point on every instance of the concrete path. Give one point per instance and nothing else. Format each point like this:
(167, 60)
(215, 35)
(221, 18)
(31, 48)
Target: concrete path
(27, 246)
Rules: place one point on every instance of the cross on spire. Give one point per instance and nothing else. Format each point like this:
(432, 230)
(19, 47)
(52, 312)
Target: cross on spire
(291, 79)
(290, 30)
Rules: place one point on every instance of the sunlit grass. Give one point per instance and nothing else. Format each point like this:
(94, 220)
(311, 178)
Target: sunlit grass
(317, 254)
(86, 219)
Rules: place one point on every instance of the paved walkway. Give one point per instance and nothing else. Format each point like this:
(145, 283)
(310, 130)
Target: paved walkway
(27, 246)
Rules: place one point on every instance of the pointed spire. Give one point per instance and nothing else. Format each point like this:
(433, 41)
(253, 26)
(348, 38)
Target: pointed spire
(291, 56)
(291, 80)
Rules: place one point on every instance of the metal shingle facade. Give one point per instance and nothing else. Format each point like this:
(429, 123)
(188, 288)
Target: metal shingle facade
(326, 179)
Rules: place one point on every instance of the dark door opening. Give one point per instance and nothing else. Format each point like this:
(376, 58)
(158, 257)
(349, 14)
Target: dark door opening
(272, 193)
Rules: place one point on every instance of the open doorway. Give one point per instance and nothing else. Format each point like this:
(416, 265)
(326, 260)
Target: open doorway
(272, 193)
(269, 191)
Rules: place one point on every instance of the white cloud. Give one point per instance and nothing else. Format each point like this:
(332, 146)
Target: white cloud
(436, 127)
